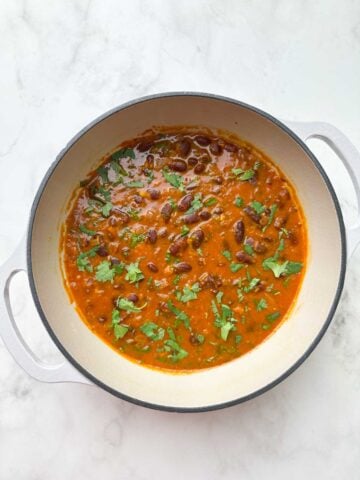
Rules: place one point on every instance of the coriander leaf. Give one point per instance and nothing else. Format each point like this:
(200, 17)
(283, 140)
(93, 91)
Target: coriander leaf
(258, 207)
(235, 267)
(273, 209)
(134, 184)
(243, 175)
(239, 202)
(104, 272)
(103, 172)
(128, 305)
(177, 353)
(136, 238)
(152, 331)
(174, 179)
(271, 317)
(226, 254)
(86, 230)
(176, 279)
(276, 267)
(196, 204)
(120, 331)
(115, 317)
(106, 209)
(210, 202)
(83, 262)
(134, 274)
(248, 249)
(179, 314)
(293, 267)
(252, 284)
(105, 195)
(261, 304)
(184, 230)
(219, 296)
(225, 329)
(200, 338)
(281, 245)
(189, 293)
(125, 152)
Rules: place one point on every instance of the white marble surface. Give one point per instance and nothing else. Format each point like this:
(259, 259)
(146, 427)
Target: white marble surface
(65, 62)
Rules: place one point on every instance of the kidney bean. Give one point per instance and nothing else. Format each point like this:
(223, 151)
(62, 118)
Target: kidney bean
(205, 215)
(133, 297)
(102, 251)
(191, 218)
(260, 247)
(152, 267)
(243, 257)
(197, 237)
(179, 245)
(205, 159)
(182, 267)
(202, 140)
(123, 216)
(293, 237)
(250, 212)
(192, 161)
(239, 231)
(184, 147)
(215, 148)
(185, 202)
(219, 180)
(172, 236)
(162, 232)
(138, 199)
(166, 211)
(178, 165)
(152, 235)
(218, 211)
(144, 145)
(154, 193)
(114, 261)
(213, 282)
(230, 147)
(249, 241)
(280, 222)
(199, 168)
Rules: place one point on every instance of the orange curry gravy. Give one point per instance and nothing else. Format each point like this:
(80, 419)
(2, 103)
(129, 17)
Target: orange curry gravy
(184, 250)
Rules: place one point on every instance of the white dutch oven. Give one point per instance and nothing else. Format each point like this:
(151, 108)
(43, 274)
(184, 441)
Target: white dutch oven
(87, 358)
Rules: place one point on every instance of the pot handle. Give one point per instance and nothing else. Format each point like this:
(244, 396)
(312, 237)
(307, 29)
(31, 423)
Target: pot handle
(12, 338)
(347, 153)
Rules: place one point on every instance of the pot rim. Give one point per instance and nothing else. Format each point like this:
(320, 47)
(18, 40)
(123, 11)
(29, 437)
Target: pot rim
(61, 347)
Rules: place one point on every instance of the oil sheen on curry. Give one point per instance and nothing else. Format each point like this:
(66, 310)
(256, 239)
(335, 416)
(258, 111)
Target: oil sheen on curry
(184, 250)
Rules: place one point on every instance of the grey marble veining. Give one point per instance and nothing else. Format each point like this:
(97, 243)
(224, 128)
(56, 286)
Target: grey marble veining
(64, 63)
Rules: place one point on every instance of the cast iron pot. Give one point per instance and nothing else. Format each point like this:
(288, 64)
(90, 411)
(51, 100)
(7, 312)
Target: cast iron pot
(87, 358)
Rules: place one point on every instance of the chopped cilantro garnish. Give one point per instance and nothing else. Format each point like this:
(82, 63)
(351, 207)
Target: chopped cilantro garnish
(134, 184)
(134, 274)
(239, 202)
(243, 175)
(271, 317)
(278, 269)
(104, 272)
(136, 238)
(235, 267)
(106, 209)
(196, 204)
(261, 304)
(248, 249)
(273, 209)
(128, 305)
(172, 346)
(252, 284)
(83, 262)
(223, 320)
(176, 279)
(123, 153)
(103, 172)
(258, 207)
(174, 179)
(188, 293)
(152, 331)
(179, 314)
(119, 330)
(184, 230)
(86, 230)
(210, 202)
(226, 254)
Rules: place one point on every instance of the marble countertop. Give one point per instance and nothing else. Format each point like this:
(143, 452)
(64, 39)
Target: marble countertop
(64, 63)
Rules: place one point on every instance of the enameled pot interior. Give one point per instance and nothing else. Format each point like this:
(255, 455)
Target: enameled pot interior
(239, 378)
